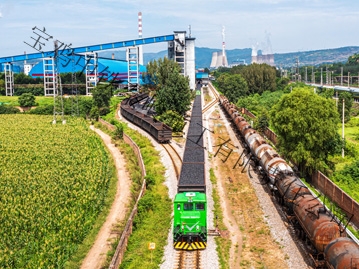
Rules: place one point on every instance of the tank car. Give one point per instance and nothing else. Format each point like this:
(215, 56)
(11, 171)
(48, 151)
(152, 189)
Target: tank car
(289, 188)
(342, 253)
(308, 215)
(316, 222)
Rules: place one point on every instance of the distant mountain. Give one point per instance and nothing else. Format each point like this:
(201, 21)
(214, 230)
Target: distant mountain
(315, 57)
(204, 56)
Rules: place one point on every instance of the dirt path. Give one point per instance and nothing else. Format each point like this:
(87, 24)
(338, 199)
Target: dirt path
(252, 245)
(97, 255)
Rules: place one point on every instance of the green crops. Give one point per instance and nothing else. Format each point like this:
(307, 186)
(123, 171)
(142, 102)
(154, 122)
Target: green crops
(53, 181)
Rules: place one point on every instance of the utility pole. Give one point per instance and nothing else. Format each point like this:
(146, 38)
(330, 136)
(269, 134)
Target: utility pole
(297, 69)
(348, 79)
(313, 77)
(306, 75)
(341, 76)
(321, 76)
(326, 75)
(343, 127)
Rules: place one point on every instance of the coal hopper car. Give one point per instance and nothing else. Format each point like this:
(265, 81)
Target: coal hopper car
(160, 131)
(190, 204)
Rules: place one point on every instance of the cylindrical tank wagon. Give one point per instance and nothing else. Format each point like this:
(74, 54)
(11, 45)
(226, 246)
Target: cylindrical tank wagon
(306, 212)
(316, 221)
(342, 253)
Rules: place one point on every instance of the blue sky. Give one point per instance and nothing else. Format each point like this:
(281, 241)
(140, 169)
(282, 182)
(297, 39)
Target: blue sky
(291, 25)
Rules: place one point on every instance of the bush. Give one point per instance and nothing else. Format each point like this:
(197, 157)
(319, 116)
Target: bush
(173, 119)
(118, 133)
(8, 110)
(94, 113)
(43, 110)
(27, 100)
(35, 91)
(104, 111)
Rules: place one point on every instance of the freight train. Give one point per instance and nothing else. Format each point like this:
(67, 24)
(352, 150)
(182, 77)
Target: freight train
(160, 131)
(312, 221)
(190, 203)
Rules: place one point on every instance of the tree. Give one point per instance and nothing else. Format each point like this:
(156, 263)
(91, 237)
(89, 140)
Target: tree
(260, 78)
(22, 78)
(101, 95)
(354, 59)
(348, 103)
(262, 121)
(306, 125)
(171, 88)
(27, 100)
(232, 86)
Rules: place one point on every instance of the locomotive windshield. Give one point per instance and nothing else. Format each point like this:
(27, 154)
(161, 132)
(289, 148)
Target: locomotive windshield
(199, 206)
(187, 206)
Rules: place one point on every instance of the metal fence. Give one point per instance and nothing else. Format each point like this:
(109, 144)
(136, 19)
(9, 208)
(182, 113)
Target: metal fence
(267, 132)
(337, 195)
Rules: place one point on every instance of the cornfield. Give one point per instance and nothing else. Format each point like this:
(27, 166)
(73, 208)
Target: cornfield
(53, 181)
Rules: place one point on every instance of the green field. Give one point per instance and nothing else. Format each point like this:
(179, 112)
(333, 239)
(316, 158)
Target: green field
(41, 100)
(53, 183)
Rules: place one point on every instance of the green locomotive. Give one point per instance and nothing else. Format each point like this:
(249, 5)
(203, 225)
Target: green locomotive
(190, 221)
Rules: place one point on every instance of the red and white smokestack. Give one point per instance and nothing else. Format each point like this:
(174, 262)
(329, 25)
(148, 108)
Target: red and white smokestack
(223, 47)
(140, 24)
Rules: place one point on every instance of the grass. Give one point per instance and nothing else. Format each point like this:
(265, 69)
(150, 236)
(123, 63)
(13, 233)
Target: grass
(13, 100)
(114, 102)
(154, 212)
(152, 222)
(223, 244)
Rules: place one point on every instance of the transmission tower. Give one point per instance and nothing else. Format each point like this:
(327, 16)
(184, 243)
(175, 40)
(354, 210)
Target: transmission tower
(58, 98)
(75, 97)
(9, 79)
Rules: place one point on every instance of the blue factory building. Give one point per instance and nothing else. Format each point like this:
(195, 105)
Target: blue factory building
(107, 69)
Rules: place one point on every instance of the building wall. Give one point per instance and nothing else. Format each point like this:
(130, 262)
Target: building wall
(182, 51)
(190, 67)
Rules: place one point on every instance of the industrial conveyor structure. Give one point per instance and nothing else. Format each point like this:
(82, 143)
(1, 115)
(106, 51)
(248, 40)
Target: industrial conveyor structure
(89, 54)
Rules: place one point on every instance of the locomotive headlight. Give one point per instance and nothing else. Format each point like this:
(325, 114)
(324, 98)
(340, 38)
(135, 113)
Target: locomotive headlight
(182, 227)
(197, 227)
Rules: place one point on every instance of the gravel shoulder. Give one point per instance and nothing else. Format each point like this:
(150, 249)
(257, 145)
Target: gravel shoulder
(97, 255)
(252, 217)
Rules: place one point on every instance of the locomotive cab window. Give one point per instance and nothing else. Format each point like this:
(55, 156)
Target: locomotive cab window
(178, 206)
(188, 206)
(200, 206)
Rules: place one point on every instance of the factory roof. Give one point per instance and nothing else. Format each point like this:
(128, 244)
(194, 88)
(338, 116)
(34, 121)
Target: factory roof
(107, 69)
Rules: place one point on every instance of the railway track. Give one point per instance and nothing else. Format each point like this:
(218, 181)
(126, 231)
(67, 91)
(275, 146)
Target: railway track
(175, 158)
(188, 259)
(215, 101)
